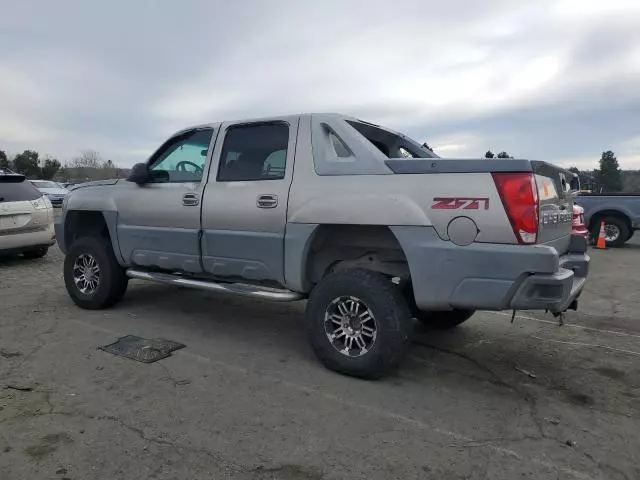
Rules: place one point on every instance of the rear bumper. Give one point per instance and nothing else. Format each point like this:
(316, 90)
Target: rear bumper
(19, 242)
(554, 292)
(492, 276)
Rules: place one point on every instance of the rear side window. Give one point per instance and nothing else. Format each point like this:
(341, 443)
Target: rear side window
(254, 152)
(389, 143)
(11, 191)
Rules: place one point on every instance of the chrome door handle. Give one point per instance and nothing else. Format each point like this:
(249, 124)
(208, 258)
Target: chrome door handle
(267, 201)
(190, 199)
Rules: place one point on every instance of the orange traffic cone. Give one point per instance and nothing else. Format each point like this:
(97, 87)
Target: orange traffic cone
(601, 244)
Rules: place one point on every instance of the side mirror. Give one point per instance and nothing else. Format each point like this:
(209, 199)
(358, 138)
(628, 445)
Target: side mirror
(139, 174)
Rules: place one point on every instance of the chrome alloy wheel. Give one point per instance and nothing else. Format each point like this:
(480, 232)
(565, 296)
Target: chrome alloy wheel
(86, 274)
(350, 326)
(611, 232)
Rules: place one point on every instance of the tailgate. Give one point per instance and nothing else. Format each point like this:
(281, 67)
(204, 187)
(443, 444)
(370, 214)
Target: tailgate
(15, 217)
(556, 203)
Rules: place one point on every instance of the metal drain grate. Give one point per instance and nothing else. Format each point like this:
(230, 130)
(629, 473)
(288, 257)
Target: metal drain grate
(142, 349)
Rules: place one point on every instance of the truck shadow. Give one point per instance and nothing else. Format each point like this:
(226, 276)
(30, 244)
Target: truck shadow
(471, 358)
(258, 322)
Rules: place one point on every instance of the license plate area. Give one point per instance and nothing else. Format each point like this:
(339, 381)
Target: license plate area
(8, 221)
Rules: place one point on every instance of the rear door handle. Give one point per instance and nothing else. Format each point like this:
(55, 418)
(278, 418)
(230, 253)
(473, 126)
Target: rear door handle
(190, 199)
(267, 201)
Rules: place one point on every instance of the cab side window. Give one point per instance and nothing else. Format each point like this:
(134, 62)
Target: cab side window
(254, 152)
(183, 158)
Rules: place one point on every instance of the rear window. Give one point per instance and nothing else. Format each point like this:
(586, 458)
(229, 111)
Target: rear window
(12, 191)
(389, 143)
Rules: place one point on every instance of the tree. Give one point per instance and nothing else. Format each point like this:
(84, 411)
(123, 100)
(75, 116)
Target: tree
(50, 168)
(87, 159)
(574, 170)
(609, 175)
(426, 145)
(27, 164)
(631, 181)
(489, 154)
(5, 164)
(109, 169)
(63, 173)
(504, 154)
(86, 165)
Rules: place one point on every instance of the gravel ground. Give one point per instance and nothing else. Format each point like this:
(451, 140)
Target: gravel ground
(246, 398)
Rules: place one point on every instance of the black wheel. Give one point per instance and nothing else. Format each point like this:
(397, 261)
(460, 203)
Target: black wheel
(36, 253)
(616, 231)
(358, 323)
(92, 275)
(444, 320)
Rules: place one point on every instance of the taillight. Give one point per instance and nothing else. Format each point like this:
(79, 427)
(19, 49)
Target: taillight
(519, 196)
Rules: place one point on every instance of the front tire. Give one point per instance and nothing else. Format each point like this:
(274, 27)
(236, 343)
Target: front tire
(92, 275)
(358, 323)
(444, 320)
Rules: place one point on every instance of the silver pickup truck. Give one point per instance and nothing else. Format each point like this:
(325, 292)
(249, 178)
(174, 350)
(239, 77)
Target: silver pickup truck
(368, 225)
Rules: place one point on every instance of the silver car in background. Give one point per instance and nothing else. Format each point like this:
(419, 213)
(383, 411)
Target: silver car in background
(54, 191)
(26, 218)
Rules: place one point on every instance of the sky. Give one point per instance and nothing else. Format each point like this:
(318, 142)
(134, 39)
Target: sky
(555, 80)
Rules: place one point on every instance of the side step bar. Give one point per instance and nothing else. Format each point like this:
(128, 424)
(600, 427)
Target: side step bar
(262, 293)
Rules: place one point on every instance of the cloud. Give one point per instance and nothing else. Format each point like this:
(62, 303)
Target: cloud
(552, 79)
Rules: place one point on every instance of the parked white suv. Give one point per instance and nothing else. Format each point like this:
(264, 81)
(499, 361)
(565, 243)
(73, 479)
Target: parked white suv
(26, 218)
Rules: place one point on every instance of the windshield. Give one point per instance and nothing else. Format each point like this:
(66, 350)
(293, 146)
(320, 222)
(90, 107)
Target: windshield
(45, 184)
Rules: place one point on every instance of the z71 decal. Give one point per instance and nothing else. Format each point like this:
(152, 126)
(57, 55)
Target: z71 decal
(454, 203)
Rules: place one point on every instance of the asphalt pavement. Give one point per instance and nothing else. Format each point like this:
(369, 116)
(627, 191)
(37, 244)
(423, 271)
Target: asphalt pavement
(247, 399)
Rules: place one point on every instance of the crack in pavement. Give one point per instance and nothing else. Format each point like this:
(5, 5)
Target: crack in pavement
(603, 466)
(171, 378)
(139, 432)
(40, 342)
(222, 463)
(417, 423)
(530, 399)
(533, 414)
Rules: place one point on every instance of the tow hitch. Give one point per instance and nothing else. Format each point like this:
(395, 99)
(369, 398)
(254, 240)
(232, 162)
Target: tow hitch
(560, 317)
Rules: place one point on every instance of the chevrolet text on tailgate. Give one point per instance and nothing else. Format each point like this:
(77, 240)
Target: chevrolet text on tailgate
(371, 228)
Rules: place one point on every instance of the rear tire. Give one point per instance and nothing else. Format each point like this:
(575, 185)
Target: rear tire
(444, 320)
(92, 275)
(37, 253)
(611, 225)
(358, 323)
